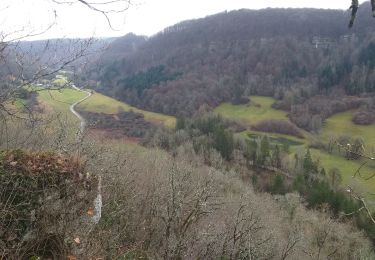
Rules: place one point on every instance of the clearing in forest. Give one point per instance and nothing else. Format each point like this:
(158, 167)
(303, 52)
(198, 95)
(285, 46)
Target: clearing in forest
(257, 110)
(99, 103)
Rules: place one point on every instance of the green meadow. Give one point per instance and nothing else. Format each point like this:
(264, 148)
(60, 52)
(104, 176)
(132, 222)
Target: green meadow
(60, 100)
(99, 103)
(341, 124)
(259, 109)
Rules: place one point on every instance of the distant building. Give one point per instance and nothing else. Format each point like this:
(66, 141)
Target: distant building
(348, 38)
(322, 42)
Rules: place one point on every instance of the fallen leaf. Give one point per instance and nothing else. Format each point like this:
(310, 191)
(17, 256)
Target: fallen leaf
(90, 212)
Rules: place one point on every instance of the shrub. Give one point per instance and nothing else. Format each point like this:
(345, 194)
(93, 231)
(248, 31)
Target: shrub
(130, 123)
(240, 101)
(279, 127)
(364, 118)
(161, 207)
(43, 201)
(278, 185)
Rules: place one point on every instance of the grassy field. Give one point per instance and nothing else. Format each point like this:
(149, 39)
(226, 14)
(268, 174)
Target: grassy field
(59, 100)
(257, 110)
(55, 105)
(341, 124)
(103, 104)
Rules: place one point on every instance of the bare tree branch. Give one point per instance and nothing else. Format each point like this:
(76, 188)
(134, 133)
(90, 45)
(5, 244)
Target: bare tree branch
(354, 7)
(368, 158)
(114, 6)
(363, 203)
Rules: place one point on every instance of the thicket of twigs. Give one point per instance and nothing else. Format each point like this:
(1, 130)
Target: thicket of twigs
(44, 200)
(159, 207)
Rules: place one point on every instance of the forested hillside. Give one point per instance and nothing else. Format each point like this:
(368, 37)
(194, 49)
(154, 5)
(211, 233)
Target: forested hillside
(290, 54)
(243, 135)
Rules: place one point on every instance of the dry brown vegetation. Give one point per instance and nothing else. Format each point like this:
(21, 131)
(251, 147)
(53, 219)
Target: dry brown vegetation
(158, 206)
(177, 208)
(364, 117)
(43, 201)
(310, 114)
(130, 124)
(278, 127)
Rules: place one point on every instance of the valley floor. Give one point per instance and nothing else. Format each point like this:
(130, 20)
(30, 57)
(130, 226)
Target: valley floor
(259, 109)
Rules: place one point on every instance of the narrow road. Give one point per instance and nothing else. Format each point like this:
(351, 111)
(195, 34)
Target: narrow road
(98, 200)
(72, 109)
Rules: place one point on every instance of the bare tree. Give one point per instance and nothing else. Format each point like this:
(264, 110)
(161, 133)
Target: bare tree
(354, 7)
(24, 64)
(104, 7)
(321, 237)
(31, 67)
(365, 160)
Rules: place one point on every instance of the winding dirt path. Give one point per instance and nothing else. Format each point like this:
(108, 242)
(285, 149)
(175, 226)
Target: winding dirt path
(98, 200)
(79, 116)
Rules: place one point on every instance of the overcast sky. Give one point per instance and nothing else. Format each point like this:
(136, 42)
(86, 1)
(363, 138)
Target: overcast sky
(144, 17)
